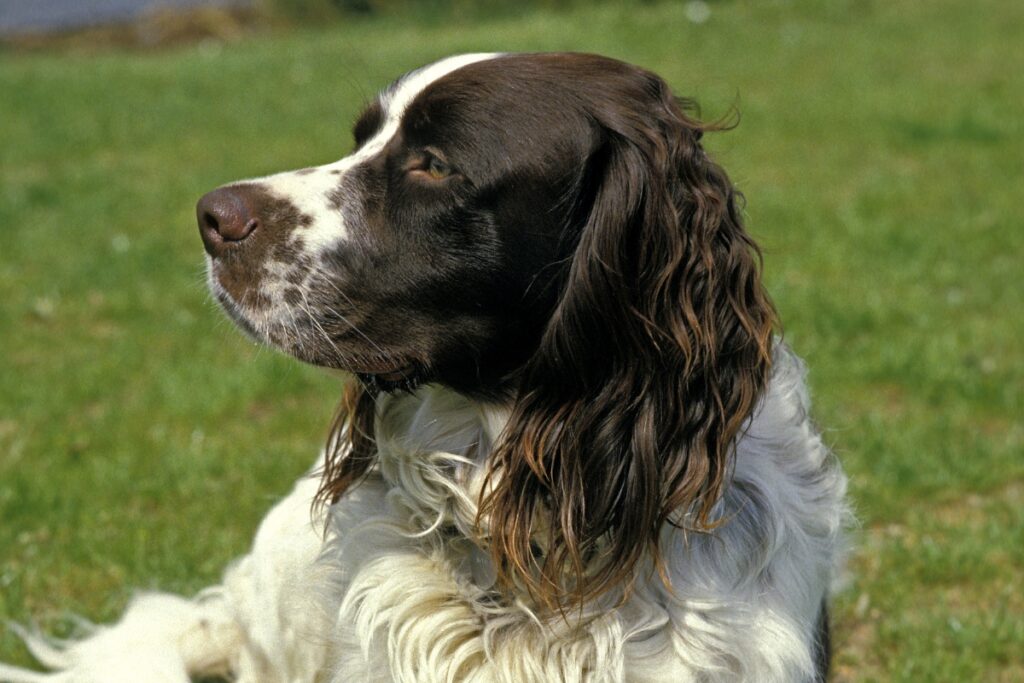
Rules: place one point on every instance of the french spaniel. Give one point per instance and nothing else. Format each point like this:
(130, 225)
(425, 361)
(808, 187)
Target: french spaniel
(574, 448)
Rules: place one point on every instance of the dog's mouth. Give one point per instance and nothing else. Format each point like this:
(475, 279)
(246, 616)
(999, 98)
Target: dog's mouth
(398, 375)
(406, 377)
(381, 370)
(303, 334)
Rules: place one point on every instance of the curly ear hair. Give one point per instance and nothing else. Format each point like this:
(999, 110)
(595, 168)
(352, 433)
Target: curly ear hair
(656, 354)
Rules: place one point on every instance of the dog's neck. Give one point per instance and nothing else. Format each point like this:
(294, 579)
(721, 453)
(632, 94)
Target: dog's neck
(434, 444)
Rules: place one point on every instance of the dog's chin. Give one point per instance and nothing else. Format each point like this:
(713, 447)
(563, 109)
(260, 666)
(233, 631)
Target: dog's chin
(234, 312)
(379, 370)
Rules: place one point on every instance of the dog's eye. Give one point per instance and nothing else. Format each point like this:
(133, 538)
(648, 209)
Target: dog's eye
(438, 169)
(430, 165)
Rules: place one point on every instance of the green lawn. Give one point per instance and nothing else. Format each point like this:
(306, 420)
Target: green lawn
(881, 152)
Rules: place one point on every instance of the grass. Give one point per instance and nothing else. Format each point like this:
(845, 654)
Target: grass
(141, 438)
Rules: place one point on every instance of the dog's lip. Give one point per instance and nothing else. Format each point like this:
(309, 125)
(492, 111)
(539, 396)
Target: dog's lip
(396, 375)
(389, 371)
(390, 378)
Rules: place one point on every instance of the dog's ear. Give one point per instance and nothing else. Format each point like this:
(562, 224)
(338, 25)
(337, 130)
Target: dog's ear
(656, 354)
(351, 449)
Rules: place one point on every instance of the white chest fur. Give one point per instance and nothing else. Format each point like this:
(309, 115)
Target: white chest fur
(414, 591)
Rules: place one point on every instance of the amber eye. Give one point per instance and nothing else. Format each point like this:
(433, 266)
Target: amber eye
(437, 169)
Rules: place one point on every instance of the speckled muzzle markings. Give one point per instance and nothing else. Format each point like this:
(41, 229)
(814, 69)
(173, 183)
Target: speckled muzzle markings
(274, 244)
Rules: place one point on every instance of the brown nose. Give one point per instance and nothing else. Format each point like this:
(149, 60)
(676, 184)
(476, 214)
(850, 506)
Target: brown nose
(225, 220)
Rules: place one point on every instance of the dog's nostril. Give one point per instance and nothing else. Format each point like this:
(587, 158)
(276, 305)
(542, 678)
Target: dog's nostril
(251, 225)
(210, 220)
(225, 217)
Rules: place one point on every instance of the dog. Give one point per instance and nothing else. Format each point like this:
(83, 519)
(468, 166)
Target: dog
(575, 447)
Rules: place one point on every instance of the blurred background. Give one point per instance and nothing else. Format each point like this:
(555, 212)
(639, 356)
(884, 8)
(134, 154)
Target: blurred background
(880, 150)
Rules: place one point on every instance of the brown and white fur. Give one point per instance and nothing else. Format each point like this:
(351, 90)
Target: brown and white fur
(576, 451)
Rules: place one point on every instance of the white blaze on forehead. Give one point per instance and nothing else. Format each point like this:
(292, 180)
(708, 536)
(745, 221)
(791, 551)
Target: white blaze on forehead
(411, 85)
(309, 190)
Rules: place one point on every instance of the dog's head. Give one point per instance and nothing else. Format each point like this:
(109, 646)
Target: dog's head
(425, 255)
(544, 230)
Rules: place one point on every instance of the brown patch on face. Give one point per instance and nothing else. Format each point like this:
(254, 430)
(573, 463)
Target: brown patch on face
(242, 270)
(305, 171)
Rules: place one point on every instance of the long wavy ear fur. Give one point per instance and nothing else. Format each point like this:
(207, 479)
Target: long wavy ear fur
(655, 356)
